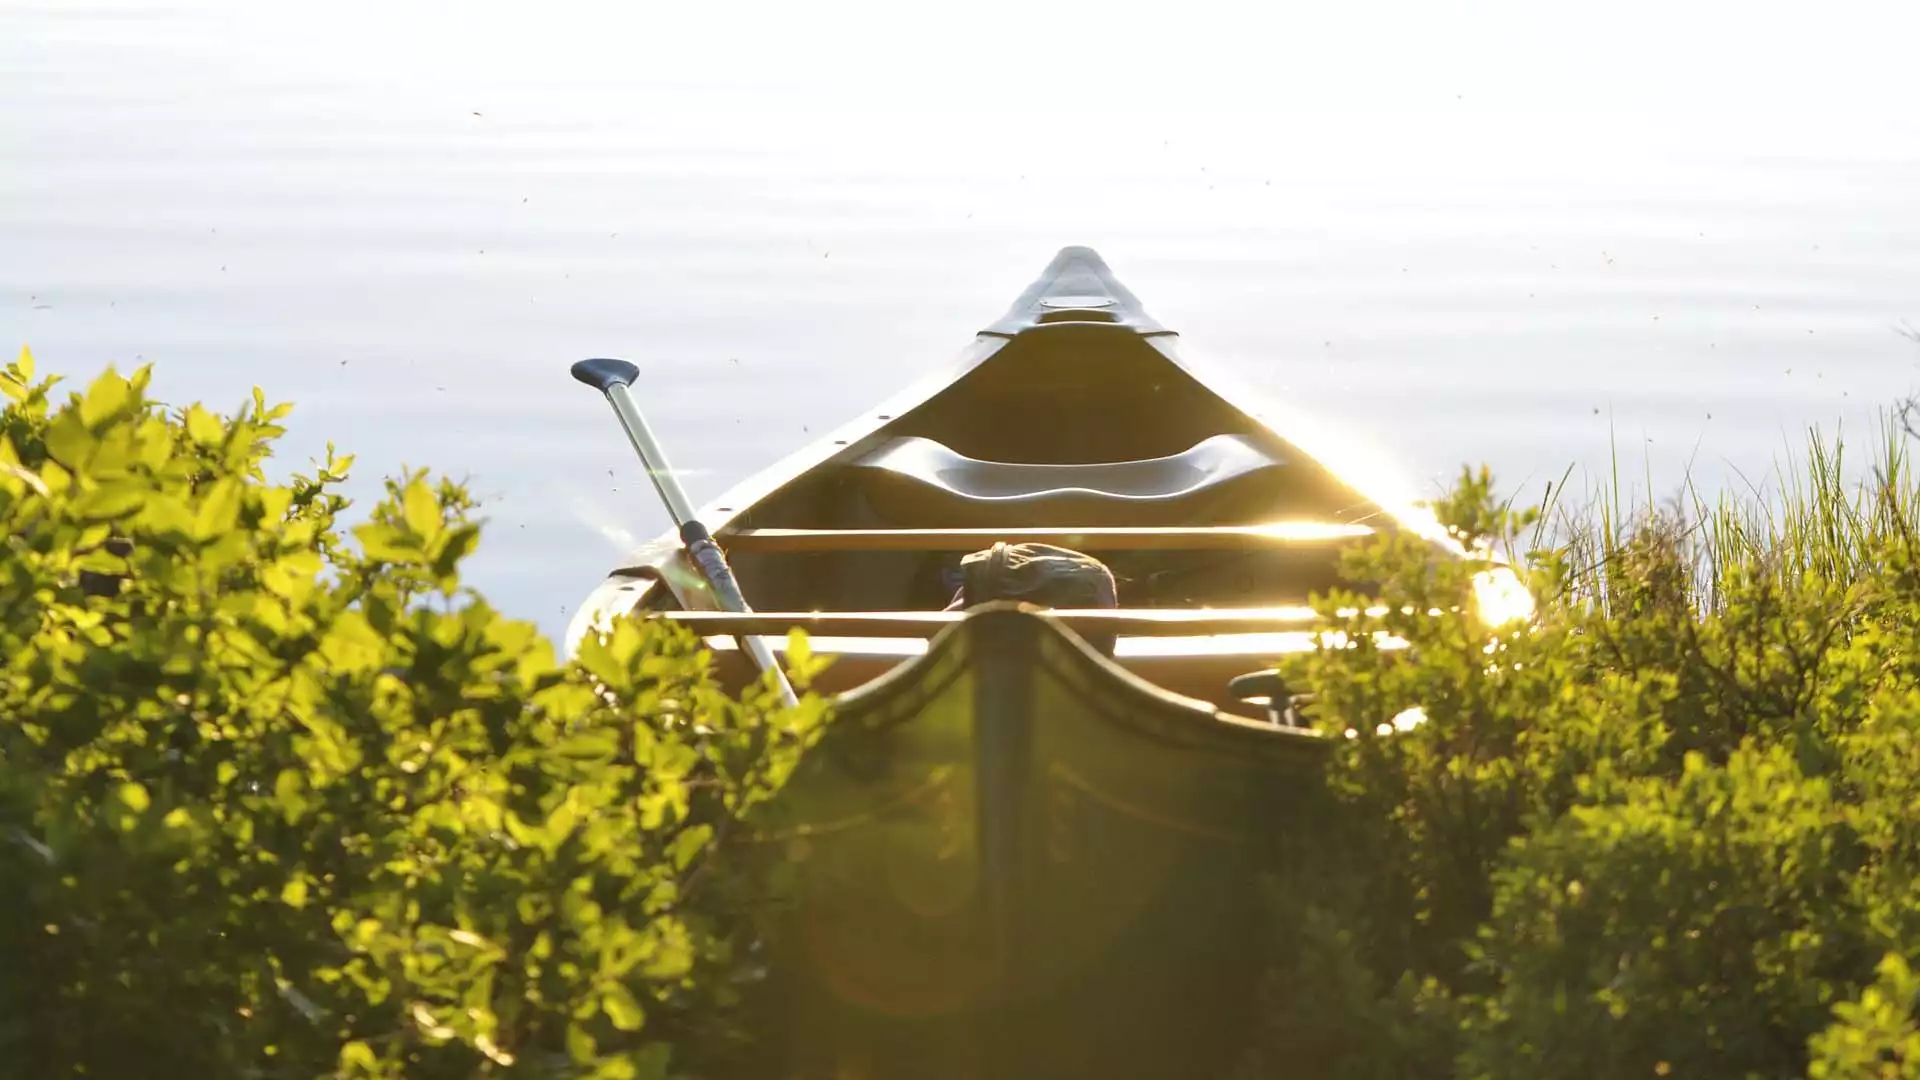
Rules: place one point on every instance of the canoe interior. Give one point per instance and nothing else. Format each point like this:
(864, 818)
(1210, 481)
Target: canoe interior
(1069, 395)
(1072, 420)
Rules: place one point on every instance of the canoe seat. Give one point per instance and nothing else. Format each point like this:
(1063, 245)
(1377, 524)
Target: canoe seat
(925, 479)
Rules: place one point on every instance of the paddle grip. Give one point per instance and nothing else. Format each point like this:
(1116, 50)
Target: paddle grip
(713, 565)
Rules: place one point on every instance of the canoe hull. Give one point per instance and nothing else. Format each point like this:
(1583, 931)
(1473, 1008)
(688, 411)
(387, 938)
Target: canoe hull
(1013, 859)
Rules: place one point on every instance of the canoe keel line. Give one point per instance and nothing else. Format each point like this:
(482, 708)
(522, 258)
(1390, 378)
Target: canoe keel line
(1017, 855)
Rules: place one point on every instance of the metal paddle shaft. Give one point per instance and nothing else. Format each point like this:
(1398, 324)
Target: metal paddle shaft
(614, 378)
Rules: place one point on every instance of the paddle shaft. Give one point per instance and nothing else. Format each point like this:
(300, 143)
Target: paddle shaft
(614, 379)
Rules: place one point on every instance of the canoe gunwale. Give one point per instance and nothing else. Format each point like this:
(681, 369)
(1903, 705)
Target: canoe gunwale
(1150, 711)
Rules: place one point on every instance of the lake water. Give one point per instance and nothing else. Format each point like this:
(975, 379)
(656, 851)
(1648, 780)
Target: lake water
(1493, 233)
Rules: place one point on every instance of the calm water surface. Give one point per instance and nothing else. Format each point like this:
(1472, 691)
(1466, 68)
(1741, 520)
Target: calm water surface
(1491, 234)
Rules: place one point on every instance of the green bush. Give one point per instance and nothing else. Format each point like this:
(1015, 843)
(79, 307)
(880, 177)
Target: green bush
(279, 798)
(1669, 828)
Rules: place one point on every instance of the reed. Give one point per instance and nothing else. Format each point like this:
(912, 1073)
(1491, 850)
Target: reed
(1821, 513)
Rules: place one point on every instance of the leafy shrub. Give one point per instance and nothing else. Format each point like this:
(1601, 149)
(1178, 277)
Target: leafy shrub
(277, 800)
(1874, 1035)
(280, 798)
(1666, 829)
(1695, 925)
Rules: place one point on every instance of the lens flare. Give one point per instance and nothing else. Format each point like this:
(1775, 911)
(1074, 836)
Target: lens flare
(1500, 598)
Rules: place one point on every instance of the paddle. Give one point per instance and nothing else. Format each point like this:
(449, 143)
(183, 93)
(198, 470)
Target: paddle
(614, 378)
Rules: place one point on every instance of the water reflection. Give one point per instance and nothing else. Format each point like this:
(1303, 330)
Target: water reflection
(1444, 244)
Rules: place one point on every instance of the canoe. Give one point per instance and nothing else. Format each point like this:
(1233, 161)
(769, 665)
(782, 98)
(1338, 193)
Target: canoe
(1075, 420)
(1018, 855)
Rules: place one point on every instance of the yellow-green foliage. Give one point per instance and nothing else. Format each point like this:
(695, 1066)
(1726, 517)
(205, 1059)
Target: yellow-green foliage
(277, 801)
(1670, 829)
(281, 799)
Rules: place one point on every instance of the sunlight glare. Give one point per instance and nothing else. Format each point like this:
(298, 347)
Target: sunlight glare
(1500, 598)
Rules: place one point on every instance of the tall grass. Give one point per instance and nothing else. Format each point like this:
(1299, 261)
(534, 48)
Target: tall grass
(1818, 515)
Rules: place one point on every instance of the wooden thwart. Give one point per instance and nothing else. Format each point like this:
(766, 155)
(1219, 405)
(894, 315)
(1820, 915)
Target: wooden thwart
(1098, 538)
(1124, 622)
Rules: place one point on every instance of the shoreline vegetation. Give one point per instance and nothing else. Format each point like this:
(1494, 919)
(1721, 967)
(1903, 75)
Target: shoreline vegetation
(283, 798)
(1667, 830)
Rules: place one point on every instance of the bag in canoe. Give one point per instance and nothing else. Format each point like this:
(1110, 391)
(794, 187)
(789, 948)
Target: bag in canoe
(1041, 574)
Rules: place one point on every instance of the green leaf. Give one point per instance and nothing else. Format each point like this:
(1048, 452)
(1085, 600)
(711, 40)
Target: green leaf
(453, 546)
(561, 821)
(352, 645)
(593, 744)
(134, 797)
(803, 666)
(524, 835)
(674, 760)
(111, 502)
(294, 893)
(613, 1068)
(689, 844)
(154, 445)
(69, 441)
(166, 514)
(799, 649)
(281, 580)
(219, 509)
(289, 794)
(385, 543)
(580, 1045)
(107, 396)
(422, 510)
(357, 1056)
(672, 955)
(204, 427)
(621, 1008)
